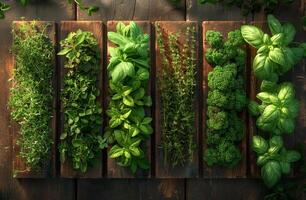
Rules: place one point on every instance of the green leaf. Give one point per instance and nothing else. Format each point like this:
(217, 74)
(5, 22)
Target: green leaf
(64, 51)
(122, 70)
(271, 173)
(259, 145)
(277, 39)
(286, 168)
(262, 66)
(115, 152)
(292, 156)
(264, 97)
(286, 92)
(253, 108)
(274, 25)
(277, 56)
(275, 143)
(134, 151)
(128, 100)
(24, 2)
(289, 33)
(118, 38)
(252, 35)
(114, 122)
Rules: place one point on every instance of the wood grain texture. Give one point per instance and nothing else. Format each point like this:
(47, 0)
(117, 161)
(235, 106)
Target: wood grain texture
(113, 169)
(220, 189)
(19, 165)
(124, 189)
(13, 188)
(96, 28)
(190, 169)
(216, 171)
(207, 12)
(135, 10)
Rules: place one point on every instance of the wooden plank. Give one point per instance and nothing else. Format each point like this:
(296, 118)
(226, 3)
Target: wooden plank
(12, 188)
(135, 10)
(170, 189)
(97, 29)
(113, 170)
(219, 189)
(190, 169)
(19, 165)
(210, 12)
(216, 171)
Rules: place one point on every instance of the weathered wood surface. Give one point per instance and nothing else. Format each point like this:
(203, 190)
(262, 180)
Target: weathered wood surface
(11, 188)
(190, 169)
(217, 171)
(96, 28)
(19, 166)
(113, 169)
(126, 189)
(135, 10)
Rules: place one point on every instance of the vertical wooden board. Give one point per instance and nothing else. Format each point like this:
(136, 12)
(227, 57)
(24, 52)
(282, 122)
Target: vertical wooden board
(219, 189)
(135, 10)
(191, 169)
(96, 28)
(113, 169)
(207, 12)
(217, 171)
(123, 189)
(19, 165)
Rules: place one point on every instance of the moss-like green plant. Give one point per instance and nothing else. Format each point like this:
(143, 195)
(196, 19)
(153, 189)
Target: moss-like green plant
(177, 83)
(81, 138)
(31, 94)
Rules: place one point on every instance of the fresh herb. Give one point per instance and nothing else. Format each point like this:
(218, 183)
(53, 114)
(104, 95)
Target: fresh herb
(176, 82)
(273, 158)
(81, 135)
(275, 55)
(226, 98)
(129, 72)
(89, 9)
(250, 6)
(278, 110)
(31, 94)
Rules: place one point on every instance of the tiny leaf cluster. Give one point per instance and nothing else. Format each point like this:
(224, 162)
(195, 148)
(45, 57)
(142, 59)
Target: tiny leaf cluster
(177, 84)
(128, 71)
(31, 94)
(81, 135)
(226, 98)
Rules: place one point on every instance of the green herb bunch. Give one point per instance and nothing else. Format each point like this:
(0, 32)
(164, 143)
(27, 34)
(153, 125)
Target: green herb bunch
(177, 85)
(250, 6)
(31, 94)
(226, 98)
(81, 135)
(128, 71)
(278, 109)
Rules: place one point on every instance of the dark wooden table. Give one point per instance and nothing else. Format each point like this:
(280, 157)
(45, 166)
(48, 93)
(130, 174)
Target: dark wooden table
(129, 189)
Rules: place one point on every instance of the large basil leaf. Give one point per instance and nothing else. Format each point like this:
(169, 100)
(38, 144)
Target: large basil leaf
(259, 145)
(285, 167)
(286, 92)
(277, 39)
(274, 25)
(289, 33)
(268, 86)
(292, 156)
(252, 35)
(117, 38)
(293, 107)
(271, 173)
(277, 56)
(286, 125)
(122, 70)
(267, 121)
(262, 66)
(275, 143)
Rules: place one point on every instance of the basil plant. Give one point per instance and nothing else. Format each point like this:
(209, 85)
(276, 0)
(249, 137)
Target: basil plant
(273, 158)
(278, 108)
(276, 53)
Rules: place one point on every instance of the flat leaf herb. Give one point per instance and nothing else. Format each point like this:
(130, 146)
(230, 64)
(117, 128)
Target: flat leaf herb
(177, 86)
(31, 94)
(128, 71)
(81, 137)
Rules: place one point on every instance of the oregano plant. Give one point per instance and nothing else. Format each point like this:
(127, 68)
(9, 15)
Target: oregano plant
(128, 71)
(81, 137)
(32, 92)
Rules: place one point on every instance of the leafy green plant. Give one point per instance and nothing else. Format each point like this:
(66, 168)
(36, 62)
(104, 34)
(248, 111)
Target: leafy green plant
(177, 85)
(81, 138)
(226, 98)
(278, 110)
(275, 55)
(250, 6)
(128, 71)
(31, 94)
(273, 158)
(89, 9)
